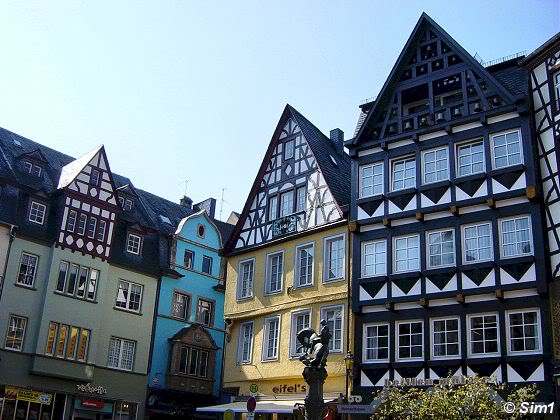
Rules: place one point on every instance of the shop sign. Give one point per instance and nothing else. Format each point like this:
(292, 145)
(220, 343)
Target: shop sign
(289, 389)
(91, 389)
(93, 404)
(355, 409)
(28, 395)
(454, 380)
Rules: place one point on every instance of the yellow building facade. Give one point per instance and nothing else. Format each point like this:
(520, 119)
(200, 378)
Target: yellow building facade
(288, 266)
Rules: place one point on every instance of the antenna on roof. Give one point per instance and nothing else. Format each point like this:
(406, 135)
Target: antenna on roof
(186, 186)
(222, 201)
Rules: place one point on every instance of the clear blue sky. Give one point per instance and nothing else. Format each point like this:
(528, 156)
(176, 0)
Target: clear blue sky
(193, 90)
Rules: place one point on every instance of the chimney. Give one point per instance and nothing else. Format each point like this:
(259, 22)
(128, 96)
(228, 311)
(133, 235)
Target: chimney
(337, 137)
(186, 202)
(209, 205)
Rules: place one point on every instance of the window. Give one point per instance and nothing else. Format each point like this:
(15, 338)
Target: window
(271, 337)
(32, 169)
(188, 258)
(410, 340)
(406, 253)
(180, 306)
(477, 243)
(37, 212)
(245, 345)
(334, 258)
(441, 248)
(129, 296)
(371, 179)
(16, 332)
(374, 258)
(27, 269)
(272, 208)
(445, 337)
(523, 331)
(121, 353)
(245, 279)
(91, 227)
(274, 272)
(300, 199)
(133, 243)
(483, 334)
(516, 237)
(507, 149)
(126, 203)
(333, 316)
(200, 231)
(183, 360)
(205, 312)
(77, 281)
(94, 178)
(193, 362)
(299, 321)
(71, 221)
(435, 165)
(67, 342)
(207, 264)
(203, 371)
(376, 342)
(82, 224)
(304, 265)
(286, 203)
(289, 149)
(101, 230)
(557, 87)
(470, 158)
(403, 173)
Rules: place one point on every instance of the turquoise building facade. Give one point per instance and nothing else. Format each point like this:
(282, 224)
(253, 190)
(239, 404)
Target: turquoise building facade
(188, 338)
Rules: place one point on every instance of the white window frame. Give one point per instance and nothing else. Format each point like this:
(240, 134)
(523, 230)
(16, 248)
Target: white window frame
(266, 337)
(250, 295)
(364, 341)
(34, 277)
(40, 212)
(363, 257)
(470, 143)
(501, 233)
(297, 264)
(392, 164)
(326, 257)
(240, 338)
(428, 254)
(286, 194)
(435, 150)
(556, 83)
(272, 209)
(323, 312)
(433, 341)
(511, 352)
(120, 356)
(293, 333)
(25, 321)
(268, 274)
(293, 149)
(493, 147)
(469, 328)
(128, 247)
(397, 346)
(464, 243)
(127, 301)
(394, 252)
(301, 205)
(361, 179)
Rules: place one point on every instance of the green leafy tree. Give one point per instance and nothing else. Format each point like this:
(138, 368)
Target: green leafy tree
(477, 398)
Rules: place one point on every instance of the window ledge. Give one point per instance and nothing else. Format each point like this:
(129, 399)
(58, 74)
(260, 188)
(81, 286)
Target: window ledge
(375, 197)
(407, 275)
(128, 311)
(59, 293)
(441, 270)
(401, 192)
(295, 288)
(512, 168)
(23, 286)
(437, 184)
(244, 299)
(515, 260)
(483, 358)
(467, 178)
(477, 265)
(371, 279)
(325, 281)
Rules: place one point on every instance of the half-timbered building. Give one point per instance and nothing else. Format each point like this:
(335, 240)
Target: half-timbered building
(544, 78)
(449, 273)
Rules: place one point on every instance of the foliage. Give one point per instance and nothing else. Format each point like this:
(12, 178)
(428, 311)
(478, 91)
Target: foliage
(474, 399)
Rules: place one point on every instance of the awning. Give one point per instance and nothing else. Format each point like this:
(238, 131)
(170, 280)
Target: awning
(280, 406)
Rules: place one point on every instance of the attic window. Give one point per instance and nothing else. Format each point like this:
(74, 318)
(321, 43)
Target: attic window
(289, 149)
(126, 203)
(33, 169)
(201, 230)
(94, 177)
(164, 219)
(333, 160)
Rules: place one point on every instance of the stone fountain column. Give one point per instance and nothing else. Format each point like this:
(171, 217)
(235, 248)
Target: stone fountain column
(314, 403)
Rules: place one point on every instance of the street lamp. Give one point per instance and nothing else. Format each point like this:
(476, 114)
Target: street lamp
(349, 362)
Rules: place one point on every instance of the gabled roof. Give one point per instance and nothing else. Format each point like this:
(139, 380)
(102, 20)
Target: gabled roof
(541, 49)
(72, 170)
(394, 76)
(337, 176)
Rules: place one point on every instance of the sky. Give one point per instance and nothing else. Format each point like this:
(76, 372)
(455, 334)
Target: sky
(193, 90)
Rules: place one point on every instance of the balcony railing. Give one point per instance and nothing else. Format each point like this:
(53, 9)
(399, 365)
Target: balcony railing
(286, 224)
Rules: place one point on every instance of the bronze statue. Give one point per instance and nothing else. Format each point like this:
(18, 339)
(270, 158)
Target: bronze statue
(315, 346)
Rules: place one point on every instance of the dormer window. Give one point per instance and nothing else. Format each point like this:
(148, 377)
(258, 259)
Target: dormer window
(133, 244)
(32, 169)
(126, 203)
(94, 177)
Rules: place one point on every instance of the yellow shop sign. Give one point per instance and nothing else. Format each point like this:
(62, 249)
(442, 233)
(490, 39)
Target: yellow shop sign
(20, 394)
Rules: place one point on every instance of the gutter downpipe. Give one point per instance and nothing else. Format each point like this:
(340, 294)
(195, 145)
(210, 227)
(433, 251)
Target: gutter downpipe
(12, 237)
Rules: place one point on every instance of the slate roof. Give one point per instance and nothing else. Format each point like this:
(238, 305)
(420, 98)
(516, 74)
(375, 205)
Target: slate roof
(336, 175)
(511, 76)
